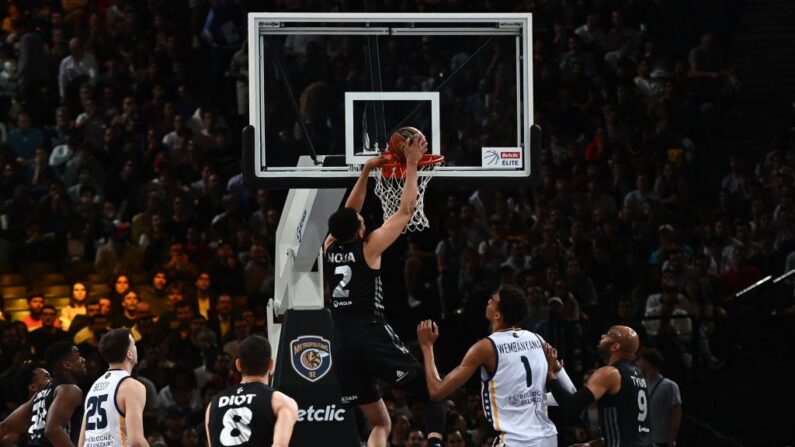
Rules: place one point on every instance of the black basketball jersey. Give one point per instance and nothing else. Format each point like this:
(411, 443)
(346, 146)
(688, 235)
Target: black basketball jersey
(38, 415)
(624, 417)
(242, 415)
(355, 287)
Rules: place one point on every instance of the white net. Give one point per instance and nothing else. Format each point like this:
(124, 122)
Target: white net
(389, 186)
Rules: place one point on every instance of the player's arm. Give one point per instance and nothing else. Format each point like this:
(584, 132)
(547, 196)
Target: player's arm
(359, 191)
(207, 424)
(18, 421)
(67, 399)
(676, 422)
(82, 440)
(380, 239)
(132, 399)
(286, 411)
(438, 388)
(603, 380)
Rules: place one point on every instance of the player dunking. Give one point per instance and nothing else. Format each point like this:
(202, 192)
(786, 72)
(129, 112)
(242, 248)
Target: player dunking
(251, 413)
(513, 372)
(52, 417)
(619, 388)
(365, 346)
(115, 403)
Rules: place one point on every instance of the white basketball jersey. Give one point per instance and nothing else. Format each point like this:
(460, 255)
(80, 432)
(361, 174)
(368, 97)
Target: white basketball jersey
(104, 422)
(514, 398)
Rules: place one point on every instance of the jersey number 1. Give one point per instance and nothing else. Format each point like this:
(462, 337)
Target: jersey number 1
(528, 373)
(96, 416)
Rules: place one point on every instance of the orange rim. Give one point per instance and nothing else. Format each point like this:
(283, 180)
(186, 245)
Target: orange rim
(397, 169)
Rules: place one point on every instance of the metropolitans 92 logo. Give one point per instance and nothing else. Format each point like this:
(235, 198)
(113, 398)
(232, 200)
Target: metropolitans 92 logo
(311, 357)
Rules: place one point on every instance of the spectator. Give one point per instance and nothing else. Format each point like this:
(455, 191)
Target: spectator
(25, 139)
(33, 320)
(258, 268)
(221, 320)
(75, 69)
(664, 400)
(705, 60)
(48, 333)
(82, 320)
(156, 292)
(77, 305)
(118, 255)
(126, 318)
(30, 77)
(635, 198)
(742, 275)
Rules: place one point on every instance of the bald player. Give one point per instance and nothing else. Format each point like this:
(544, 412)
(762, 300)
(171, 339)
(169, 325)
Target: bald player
(619, 388)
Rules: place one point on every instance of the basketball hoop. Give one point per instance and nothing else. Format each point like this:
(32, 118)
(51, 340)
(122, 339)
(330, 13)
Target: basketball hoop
(390, 179)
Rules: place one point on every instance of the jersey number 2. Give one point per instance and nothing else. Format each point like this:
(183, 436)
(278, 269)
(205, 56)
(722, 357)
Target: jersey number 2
(96, 416)
(528, 373)
(340, 290)
(236, 426)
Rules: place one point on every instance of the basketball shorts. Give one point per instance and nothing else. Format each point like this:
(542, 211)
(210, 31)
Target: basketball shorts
(365, 351)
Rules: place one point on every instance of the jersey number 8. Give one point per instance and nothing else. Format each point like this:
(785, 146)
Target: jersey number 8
(236, 426)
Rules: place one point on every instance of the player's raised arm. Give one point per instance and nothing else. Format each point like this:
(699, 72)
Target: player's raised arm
(286, 411)
(438, 388)
(603, 380)
(359, 191)
(132, 397)
(380, 239)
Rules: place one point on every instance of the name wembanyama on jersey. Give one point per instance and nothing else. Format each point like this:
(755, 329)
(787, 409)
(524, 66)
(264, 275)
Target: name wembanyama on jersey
(514, 396)
(242, 415)
(356, 287)
(38, 416)
(624, 417)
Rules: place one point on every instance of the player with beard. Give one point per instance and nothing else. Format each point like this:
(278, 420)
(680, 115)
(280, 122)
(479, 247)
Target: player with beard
(619, 388)
(53, 415)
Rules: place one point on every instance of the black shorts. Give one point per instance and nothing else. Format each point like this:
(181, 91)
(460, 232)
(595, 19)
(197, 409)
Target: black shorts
(367, 350)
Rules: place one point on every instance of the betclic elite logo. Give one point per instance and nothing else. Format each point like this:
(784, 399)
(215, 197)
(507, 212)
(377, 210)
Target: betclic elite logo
(502, 158)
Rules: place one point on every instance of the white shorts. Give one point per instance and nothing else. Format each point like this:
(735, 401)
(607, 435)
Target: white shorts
(549, 441)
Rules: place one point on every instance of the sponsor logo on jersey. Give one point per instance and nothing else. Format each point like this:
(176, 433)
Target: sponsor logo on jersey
(400, 375)
(527, 398)
(349, 399)
(311, 357)
(329, 413)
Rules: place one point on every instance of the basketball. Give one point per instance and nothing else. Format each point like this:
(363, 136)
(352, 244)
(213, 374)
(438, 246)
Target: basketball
(398, 137)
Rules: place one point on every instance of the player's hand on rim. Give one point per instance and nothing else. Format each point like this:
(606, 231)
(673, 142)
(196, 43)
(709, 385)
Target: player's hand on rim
(427, 333)
(415, 148)
(375, 162)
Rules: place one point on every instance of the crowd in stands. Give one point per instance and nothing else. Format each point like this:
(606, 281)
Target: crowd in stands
(120, 171)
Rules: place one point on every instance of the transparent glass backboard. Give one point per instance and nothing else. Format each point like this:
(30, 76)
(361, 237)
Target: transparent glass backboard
(328, 89)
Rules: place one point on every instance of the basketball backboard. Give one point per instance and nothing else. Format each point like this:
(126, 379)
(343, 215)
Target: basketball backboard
(330, 88)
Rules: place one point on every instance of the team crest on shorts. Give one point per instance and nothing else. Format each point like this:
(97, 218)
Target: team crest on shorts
(311, 357)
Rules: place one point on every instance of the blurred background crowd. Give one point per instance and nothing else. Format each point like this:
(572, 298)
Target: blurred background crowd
(122, 204)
